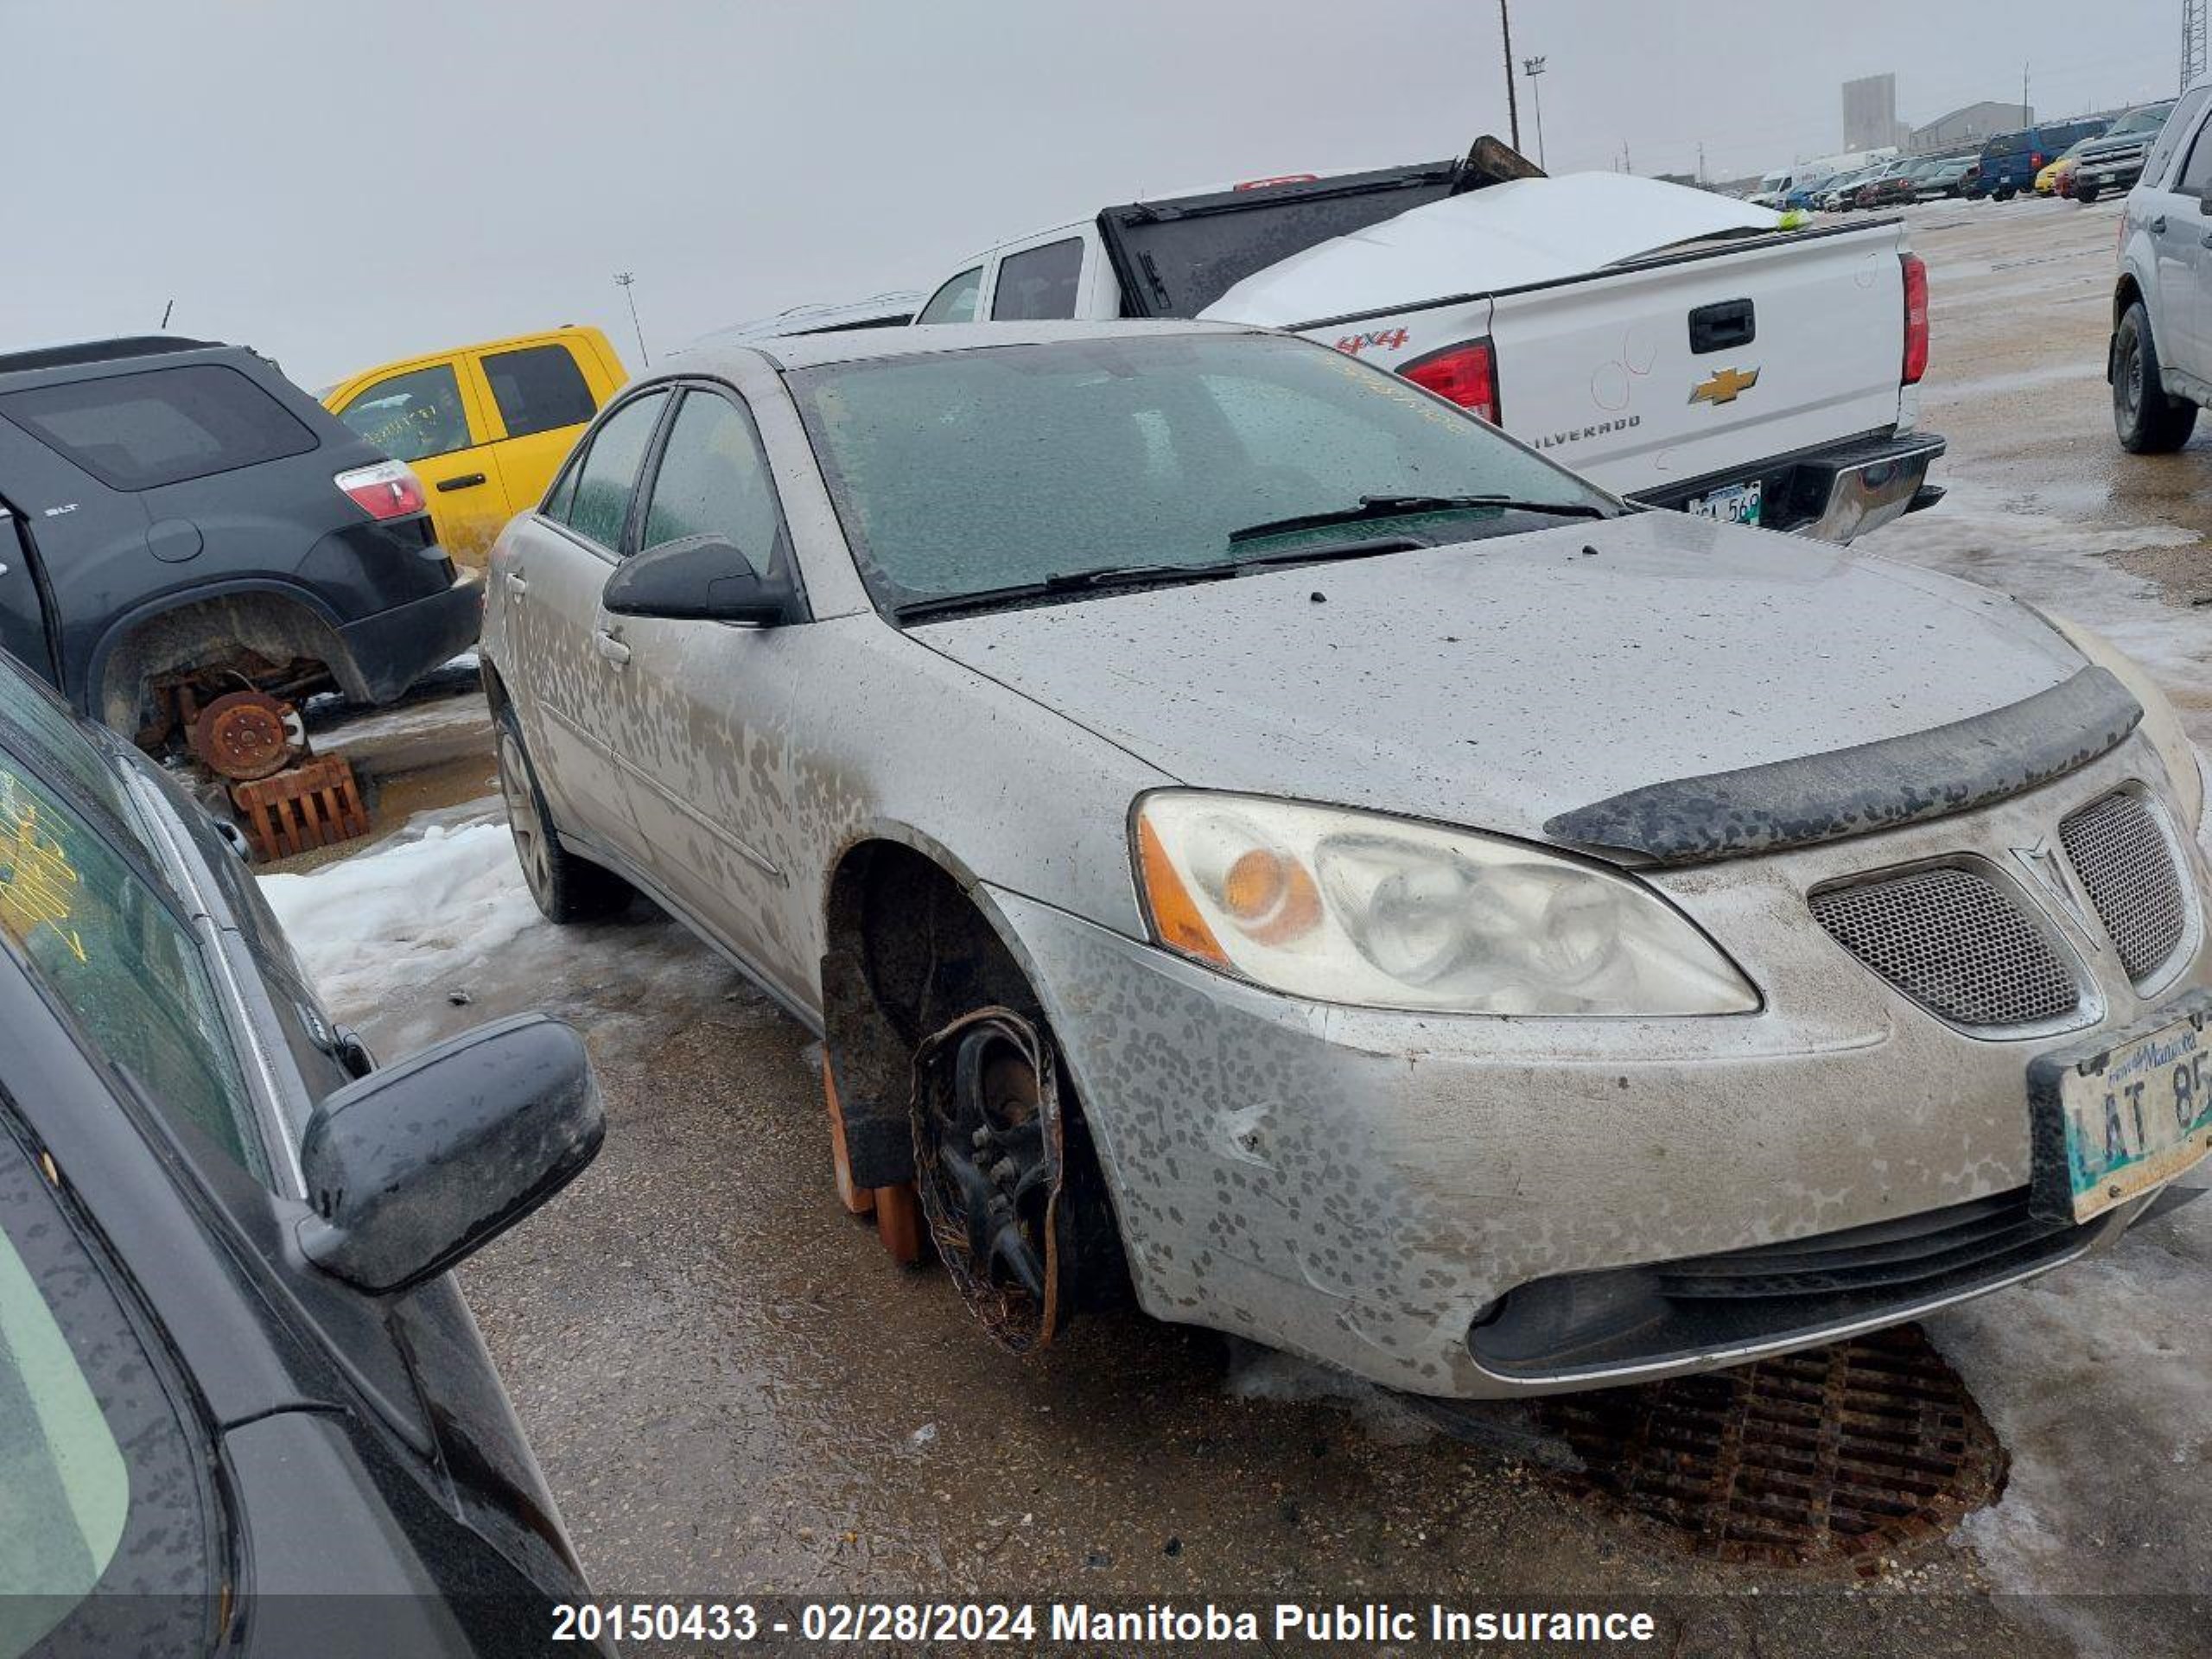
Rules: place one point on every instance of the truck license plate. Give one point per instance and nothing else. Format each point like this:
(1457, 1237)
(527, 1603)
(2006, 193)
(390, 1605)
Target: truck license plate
(2134, 1115)
(1737, 504)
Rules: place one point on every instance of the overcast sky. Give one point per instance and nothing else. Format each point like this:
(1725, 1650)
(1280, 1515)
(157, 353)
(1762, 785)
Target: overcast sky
(342, 183)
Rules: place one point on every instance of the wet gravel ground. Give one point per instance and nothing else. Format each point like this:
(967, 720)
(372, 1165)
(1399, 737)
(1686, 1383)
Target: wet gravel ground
(733, 1390)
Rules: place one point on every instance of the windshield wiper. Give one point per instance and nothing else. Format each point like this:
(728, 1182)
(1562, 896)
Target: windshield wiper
(1330, 552)
(1397, 507)
(1061, 583)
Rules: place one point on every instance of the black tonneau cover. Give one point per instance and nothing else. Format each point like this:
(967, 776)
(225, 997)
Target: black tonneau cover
(1175, 257)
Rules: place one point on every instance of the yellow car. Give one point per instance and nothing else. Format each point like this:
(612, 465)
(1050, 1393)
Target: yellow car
(485, 427)
(2048, 180)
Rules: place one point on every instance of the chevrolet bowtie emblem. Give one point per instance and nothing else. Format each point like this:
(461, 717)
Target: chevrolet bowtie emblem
(1725, 386)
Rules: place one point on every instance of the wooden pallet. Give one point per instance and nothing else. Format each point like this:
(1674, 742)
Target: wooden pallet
(314, 804)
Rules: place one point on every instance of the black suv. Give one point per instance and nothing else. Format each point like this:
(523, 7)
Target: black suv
(176, 517)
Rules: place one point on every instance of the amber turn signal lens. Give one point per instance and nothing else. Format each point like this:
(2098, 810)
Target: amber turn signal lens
(1174, 914)
(1272, 897)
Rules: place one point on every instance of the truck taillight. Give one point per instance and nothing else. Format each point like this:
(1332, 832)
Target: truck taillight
(1466, 374)
(387, 490)
(1915, 320)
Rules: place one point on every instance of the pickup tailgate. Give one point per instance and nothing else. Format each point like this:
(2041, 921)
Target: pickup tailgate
(1694, 366)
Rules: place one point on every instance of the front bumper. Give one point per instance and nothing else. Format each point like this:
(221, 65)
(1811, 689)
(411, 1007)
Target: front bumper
(1363, 1186)
(2104, 179)
(1835, 492)
(392, 649)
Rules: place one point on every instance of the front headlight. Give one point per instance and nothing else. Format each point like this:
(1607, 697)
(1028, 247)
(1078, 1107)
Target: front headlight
(2160, 723)
(1356, 907)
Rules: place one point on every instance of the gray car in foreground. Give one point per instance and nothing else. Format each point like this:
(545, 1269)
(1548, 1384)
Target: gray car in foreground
(1251, 835)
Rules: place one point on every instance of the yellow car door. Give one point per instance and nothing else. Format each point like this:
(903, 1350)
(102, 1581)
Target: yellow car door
(429, 414)
(540, 394)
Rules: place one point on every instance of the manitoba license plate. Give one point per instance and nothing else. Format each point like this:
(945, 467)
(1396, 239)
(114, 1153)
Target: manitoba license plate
(2112, 1124)
(1737, 504)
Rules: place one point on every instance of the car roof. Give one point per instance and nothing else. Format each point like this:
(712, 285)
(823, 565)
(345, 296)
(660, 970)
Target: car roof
(810, 351)
(103, 351)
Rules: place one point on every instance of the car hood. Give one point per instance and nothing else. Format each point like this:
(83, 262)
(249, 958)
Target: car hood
(1499, 683)
(2105, 149)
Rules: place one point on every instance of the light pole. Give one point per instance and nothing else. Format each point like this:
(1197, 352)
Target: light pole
(1512, 104)
(1534, 67)
(623, 280)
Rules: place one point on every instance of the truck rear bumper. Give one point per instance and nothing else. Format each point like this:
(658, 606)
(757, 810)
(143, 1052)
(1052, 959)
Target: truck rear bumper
(1835, 492)
(392, 649)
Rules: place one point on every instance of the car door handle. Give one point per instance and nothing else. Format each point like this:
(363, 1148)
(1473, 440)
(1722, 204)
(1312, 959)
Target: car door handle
(611, 648)
(517, 586)
(467, 481)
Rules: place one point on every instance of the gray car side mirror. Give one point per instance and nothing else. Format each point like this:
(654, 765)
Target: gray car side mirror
(699, 579)
(418, 1165)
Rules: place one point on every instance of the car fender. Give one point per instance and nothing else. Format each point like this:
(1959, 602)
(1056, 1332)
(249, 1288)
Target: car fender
(85, 689)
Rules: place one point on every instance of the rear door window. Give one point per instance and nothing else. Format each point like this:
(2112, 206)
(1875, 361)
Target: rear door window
(412, 416)
(609, 470)
(539, 389)
(109, 950)
(1038, 284)
(141, 431)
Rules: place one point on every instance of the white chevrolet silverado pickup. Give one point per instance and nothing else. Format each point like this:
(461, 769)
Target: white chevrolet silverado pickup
(1676, 346)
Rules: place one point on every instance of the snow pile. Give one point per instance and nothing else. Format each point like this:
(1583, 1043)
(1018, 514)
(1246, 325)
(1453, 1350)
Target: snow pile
(417, 913)
(2099, 1381)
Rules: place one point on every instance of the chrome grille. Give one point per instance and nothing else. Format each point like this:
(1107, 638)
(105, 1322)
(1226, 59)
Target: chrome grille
(1954, 942)
(2125, 863)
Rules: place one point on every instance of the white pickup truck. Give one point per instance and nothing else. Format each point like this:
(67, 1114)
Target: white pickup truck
(1676, 346)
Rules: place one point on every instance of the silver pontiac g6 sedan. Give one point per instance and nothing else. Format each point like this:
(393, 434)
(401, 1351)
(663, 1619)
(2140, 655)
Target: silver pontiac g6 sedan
(1253, 836)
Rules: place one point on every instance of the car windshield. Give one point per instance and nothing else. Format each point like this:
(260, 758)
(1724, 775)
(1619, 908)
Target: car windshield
(967, 472)
(2136, 121)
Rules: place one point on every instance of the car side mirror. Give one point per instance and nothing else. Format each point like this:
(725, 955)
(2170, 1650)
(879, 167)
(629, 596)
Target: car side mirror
(699, 579)
(422, 1163)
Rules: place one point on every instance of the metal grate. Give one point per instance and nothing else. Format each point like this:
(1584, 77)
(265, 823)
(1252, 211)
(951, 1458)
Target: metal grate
(2116, 849)
(1952, 941)
(1845, 1451)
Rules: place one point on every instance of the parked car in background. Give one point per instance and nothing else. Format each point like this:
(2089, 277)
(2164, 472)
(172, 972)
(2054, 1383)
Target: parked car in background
(176, 518)
(1772, 373)
(1628, 1042)
(2010, 161)
(891, 310)
(244, 1407)
(485, 426)
(1895, 186)
(1840, 194)
(2115, 161)
(1951, 177)
(2159, 361)
(2054, 180)
(1806, 197)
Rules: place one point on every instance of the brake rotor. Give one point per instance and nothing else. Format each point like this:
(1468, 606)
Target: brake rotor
(244, 735)
(989, 1162)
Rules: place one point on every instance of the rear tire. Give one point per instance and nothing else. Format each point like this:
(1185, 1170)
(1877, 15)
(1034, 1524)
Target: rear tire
(2004, 192)
(567, 888)
(2146, 421)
